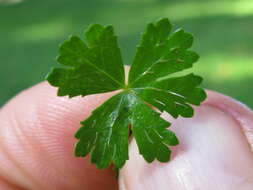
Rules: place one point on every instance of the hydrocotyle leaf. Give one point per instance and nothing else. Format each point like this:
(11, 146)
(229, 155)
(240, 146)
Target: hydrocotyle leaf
(97, 67)
(91, 68)
(105, 132)
(160, 54)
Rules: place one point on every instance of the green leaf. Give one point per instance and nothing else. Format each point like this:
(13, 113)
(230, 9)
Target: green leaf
(150, 132)
(89, 69)
(105, 132)
(158, 56)
(97, 67)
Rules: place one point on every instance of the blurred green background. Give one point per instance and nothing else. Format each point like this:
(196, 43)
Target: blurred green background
(31, 30)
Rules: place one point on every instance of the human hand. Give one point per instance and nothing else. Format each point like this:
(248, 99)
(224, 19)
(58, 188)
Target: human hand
(36, 147)
(215, 152)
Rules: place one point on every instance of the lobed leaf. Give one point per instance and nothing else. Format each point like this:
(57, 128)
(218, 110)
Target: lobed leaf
(96, 67)
(89, 69)
(105, 132)
(156, 59)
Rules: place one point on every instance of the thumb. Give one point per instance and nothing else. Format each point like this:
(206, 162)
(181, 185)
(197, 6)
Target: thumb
(215, 152)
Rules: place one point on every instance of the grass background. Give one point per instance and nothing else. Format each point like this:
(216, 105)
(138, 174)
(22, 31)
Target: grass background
(31, 30)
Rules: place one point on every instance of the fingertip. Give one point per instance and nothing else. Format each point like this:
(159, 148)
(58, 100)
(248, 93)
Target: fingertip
(37, 131)
(236, 109)
(213, 153)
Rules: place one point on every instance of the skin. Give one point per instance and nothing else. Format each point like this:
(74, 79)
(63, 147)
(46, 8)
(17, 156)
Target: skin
(36, 144)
